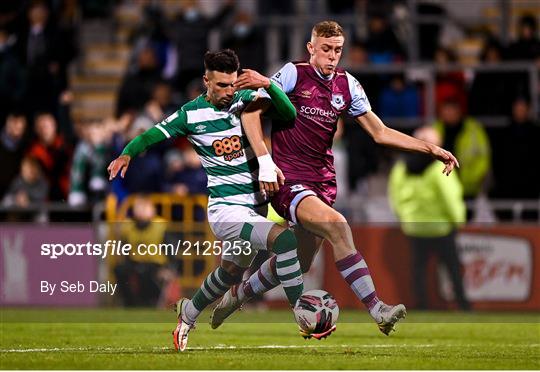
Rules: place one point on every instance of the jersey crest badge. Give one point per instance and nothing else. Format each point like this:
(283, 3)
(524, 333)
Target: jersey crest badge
(337, 101)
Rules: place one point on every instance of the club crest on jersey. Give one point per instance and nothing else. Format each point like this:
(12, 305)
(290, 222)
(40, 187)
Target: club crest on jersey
(337, 101)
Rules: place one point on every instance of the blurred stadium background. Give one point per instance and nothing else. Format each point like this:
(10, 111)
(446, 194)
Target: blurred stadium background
(78, 79)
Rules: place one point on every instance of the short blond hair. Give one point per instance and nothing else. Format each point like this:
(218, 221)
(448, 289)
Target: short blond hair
(327, 29)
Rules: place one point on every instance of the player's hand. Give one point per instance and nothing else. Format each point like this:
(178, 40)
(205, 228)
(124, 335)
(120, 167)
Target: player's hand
(280, 177)
(120, 164)
(270, 176)
(251, 79)
(449, 160)
(267, 184)
(272, 185)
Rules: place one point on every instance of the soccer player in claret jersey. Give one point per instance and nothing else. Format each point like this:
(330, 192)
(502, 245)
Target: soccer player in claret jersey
(236, 204)
(301, 148)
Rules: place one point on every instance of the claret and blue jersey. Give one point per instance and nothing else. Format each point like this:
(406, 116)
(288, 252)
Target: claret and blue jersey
(303, 149)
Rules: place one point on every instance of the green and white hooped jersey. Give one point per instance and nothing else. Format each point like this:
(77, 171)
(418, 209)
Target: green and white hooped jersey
(217, 137)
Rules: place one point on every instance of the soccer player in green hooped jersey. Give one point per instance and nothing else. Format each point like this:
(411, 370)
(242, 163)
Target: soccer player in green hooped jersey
(236, 204)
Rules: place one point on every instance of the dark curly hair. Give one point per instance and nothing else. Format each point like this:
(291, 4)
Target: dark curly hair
(224, 60)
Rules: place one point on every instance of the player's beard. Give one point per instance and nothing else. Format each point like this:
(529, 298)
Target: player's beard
(225, 101)
(219, 102)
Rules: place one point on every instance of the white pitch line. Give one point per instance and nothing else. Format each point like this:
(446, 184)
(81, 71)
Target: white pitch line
(217, 347)
(65, 349)
(43, 350)
(232, 347)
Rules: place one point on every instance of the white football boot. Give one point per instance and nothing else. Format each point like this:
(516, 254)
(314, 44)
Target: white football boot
(180, 334)
(389, 316)
(229, 304)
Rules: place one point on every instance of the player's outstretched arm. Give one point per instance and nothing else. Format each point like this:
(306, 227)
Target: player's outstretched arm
(383, 135)
(270, 176)
(134, 148)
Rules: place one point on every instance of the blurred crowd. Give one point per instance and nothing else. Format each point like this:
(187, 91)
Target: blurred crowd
(49, 156)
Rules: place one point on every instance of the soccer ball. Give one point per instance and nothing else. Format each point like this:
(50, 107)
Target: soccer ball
(316, 311)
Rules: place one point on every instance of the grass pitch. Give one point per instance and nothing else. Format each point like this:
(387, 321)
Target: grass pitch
(141, 339)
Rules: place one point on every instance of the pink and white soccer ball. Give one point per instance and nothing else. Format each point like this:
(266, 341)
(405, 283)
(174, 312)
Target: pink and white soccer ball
(316, 311)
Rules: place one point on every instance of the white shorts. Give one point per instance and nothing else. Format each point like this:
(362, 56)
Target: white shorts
(236, 223)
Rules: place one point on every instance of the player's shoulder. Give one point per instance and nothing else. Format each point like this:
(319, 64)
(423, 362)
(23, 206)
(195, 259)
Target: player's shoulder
(341, 72)
(174, 118)
(191, 105)
(286, 77)
(181, 115)
(344, 74)
(354, 84)
(299, 63)
(288, 70)
(194, 104)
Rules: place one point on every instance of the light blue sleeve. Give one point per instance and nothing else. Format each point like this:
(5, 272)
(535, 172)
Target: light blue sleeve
(284, 78)
(359, 101)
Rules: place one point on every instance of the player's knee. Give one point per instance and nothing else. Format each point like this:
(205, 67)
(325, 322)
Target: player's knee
(336, 218)
(335, 226)
(284, 242)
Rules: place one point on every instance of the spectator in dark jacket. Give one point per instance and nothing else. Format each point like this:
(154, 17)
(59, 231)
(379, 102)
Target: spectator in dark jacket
(382, 44)
(515, 152)
(11, 148)
(29, 188)
(527, 46)
(137, 86)
(39, 48)
(248, 41)
(191, 30)
(12, 77)
(500, 86)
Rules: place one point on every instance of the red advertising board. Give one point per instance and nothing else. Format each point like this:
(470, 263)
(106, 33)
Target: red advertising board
(501, 266)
